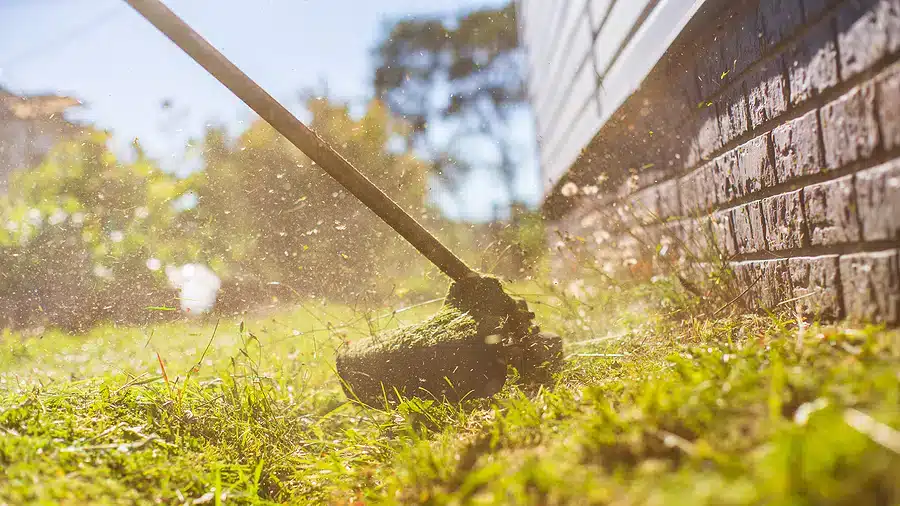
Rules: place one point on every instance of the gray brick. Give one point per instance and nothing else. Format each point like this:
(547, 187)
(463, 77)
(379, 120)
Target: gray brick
(709, 190)
(756, 169)
(812, 63)
(644, 206)
(747, 223)
(871, 287)
(815, 283)
(878, 197)
(702, 243)
(797, 148)
(727, 176)
(741, 43)
(784, 221)
(710, 65)
(888, 95)
(767, 92)
(683, 71)
(715, 181)
(674, 230)
(768, 283)
(868, 30)
(849, 127)
(722, 234)
(692, 237)
(709, 139)
(697, 238)
(812, 8)
(745, 274)
(733, 115)
(669, 203)
(831, 212)
(776, 283)
(687, 151)
(778, 20)
(687, 189)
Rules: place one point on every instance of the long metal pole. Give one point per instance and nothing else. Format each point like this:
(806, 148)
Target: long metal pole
(301, 136)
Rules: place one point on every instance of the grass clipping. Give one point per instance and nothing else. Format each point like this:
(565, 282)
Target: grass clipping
(455, 354)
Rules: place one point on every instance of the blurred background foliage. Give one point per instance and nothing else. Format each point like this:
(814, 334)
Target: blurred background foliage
(88, 238)
(465, 74)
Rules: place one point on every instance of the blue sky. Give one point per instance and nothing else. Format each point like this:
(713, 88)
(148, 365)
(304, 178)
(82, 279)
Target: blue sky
(103, 53)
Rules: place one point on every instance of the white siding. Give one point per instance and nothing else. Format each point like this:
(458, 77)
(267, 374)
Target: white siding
(574, 44)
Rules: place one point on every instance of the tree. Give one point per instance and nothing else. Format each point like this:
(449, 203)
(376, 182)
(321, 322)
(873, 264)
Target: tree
(83, 232)
(268, 214)
(464, 73)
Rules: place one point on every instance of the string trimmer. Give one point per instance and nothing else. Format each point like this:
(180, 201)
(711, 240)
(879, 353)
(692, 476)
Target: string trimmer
(460, 352)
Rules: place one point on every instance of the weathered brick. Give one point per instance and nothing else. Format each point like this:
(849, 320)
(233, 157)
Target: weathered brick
(747, 223)
(849, 127)
(778, 20)
(674, 230)
(745, 275)
(784, 221)
(816, 287)
(797, 148)
(709, 191)
(644, 206)
(722, 234)
(692, 237)
(733, 115)
(831, 212)
(716, 181)
(741, 43)
(767, 283)
(812, 63)
(878, 197)
(669, 203)
(871, 286)
(698, 192)
(686, 151)
(702, 243)
(812, 8)
(710, 66)
(697, 238)
(756, 169)
(709, 138)
(683, 71)
(767, 93)
(728, 175)
(687, 189)
(776, 283)
(888, 96)
(868, 30)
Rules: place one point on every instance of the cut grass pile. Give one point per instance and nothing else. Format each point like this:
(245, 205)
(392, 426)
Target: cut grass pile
(737, 410)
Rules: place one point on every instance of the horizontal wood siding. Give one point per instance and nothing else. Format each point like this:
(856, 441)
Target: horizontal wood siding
(585, 57)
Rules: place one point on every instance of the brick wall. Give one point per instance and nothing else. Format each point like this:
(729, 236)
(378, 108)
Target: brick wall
(777, 127)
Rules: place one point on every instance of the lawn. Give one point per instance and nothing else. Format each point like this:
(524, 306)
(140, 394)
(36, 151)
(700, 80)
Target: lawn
(651, 408)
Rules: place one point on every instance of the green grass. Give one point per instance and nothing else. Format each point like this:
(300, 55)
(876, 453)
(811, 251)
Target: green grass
(649, 409)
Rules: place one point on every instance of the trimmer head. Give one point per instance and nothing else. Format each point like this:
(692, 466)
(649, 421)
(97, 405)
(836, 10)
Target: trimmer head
(462, 352)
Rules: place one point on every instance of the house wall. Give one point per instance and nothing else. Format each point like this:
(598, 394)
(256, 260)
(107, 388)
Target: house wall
(585, 58)
(769, 132)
